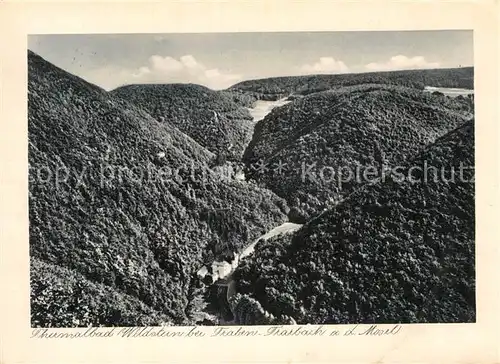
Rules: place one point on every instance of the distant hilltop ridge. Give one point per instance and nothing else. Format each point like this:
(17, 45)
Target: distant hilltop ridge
(274, 88)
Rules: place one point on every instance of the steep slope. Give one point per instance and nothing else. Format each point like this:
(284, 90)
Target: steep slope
(67, 297)
(211, 118)
(316, 150)
(126, 203)
(401, 250)
(277, 87)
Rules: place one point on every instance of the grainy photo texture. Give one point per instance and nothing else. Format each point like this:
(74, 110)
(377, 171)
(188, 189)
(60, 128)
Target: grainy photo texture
(251, 178)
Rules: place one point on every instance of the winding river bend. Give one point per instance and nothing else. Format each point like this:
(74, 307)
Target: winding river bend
(222, 269)
(260, 109)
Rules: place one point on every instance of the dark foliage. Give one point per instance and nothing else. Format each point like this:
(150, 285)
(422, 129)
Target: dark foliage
(323, 138)
(121, 206)
(278, 87)
(245, 99)
(210, 117)
(248, 311)
(395, 251)
(63, 297)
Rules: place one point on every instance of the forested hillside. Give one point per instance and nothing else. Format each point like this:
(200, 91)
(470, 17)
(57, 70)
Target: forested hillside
(278, 87)
(397, 251)
(123, 208)
(211, 118)
(315, 150)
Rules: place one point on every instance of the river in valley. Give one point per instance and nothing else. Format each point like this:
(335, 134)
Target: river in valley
(261, 108)
(222, 270)
(452, 92)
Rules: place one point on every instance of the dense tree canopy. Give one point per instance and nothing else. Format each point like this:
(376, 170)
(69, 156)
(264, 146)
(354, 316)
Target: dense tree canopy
(316, 150)
(211, 118)
(121, 203)
(401, 250)
(132, 191)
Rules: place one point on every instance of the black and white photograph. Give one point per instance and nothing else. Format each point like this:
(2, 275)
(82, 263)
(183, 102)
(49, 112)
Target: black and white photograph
(251, 178)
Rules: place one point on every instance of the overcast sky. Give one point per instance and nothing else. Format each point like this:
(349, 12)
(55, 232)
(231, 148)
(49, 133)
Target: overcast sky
(218, 60)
